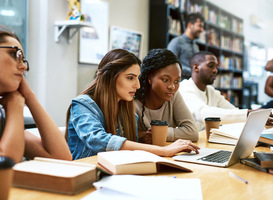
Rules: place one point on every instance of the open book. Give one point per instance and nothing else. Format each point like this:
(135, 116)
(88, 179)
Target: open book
(227, 133)
(135, 162)
(53, 175)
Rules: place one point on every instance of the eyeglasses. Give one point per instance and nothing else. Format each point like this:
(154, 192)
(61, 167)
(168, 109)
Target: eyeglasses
(18, 56)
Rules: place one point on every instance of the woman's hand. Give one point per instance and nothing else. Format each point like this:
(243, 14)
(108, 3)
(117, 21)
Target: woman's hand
(12, 100)
(146, 136)
(25, 89)
(180, 146)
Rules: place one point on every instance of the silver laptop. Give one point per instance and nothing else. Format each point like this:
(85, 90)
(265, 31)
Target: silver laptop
(246, 143)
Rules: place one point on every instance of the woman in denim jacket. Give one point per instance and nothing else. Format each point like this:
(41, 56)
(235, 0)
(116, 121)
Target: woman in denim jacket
(102, 118)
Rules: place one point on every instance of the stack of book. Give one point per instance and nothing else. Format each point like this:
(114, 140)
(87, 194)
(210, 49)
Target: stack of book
(262, 161)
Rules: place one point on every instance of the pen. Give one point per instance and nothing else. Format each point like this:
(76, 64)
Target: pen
(240, 178)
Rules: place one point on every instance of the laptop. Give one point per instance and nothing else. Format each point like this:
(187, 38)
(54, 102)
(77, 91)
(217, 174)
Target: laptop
(244, 147)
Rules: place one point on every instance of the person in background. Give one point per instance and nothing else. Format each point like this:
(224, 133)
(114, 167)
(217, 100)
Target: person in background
(268, 88)
(15, 93)
(102, 117)
(201, 97)
(158, 99)
(184, 46)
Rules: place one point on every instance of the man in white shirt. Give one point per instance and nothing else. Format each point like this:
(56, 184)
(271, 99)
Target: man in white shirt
(201, 98)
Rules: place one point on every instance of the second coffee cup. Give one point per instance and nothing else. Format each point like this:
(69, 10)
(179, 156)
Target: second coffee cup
(211, 122)
(159, 132)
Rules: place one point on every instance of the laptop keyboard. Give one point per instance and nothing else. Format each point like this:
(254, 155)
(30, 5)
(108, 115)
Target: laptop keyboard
(218, 157)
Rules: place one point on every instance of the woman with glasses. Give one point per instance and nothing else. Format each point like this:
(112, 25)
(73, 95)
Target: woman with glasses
(14, 94)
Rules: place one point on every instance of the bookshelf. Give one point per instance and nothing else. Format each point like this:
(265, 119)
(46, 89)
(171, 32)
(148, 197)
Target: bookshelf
(165, 22)
(223, 35)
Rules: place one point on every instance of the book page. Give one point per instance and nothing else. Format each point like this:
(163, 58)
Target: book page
(222, 140)
(229, 130)
(126, 157)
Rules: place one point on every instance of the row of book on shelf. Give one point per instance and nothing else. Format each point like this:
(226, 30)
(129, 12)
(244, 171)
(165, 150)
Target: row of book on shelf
(212, 16)
(227, 80)
(211, 36)
(234, 44)
(230, 62)
(174, 26)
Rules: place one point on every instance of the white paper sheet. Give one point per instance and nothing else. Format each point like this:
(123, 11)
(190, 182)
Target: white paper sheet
(146, 187)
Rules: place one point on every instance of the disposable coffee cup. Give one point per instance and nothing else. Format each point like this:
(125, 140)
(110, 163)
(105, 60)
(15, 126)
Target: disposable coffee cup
(6, 175)
(159, 132)
(211, 122)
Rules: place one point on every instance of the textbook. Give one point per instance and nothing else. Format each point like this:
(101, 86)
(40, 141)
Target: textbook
(136, 162)
(252, 162)
(227, 133)
(265, 159)
(53, 175)
(266, 138)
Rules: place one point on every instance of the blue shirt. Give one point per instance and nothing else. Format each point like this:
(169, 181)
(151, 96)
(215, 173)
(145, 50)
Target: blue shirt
(184, 48)
(86, 129)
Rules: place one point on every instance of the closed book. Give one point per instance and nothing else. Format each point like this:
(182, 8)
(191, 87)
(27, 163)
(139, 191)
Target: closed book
(265, 159)
(136, 162)
(53, 175)
(252, 162)
(266, 138)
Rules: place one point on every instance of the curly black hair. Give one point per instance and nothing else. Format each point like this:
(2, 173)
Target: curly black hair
(156, 59)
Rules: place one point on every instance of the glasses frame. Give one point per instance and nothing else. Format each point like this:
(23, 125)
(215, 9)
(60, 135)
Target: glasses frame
(18, 58)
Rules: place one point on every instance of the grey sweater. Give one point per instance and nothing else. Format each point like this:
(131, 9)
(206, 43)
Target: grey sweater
(176, 113)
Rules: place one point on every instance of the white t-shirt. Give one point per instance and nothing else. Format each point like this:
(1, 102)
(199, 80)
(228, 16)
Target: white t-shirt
(209, 103)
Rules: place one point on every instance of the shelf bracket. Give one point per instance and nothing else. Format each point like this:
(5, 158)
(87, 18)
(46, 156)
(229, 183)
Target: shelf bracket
(61, 26)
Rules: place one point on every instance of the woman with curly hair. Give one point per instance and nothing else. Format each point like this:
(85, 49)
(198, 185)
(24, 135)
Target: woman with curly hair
(102, 117)
(158, 99)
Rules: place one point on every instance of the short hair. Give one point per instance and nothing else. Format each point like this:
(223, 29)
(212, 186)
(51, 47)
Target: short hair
(6, 32)
(192, 18)
(199, 57)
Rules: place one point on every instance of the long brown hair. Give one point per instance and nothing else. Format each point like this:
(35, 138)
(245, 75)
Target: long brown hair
(103, 91)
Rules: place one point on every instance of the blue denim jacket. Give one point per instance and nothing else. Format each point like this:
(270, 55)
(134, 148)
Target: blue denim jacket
(86, 129)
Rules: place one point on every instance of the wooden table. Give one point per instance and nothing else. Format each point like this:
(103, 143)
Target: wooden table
(215, 181)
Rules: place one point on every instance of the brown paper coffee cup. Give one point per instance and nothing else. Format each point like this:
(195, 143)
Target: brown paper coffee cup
(211, 122)
(6, 174)
(159, 132)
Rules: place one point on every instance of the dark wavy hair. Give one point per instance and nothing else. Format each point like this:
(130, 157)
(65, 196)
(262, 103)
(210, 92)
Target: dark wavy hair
(156, 59)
